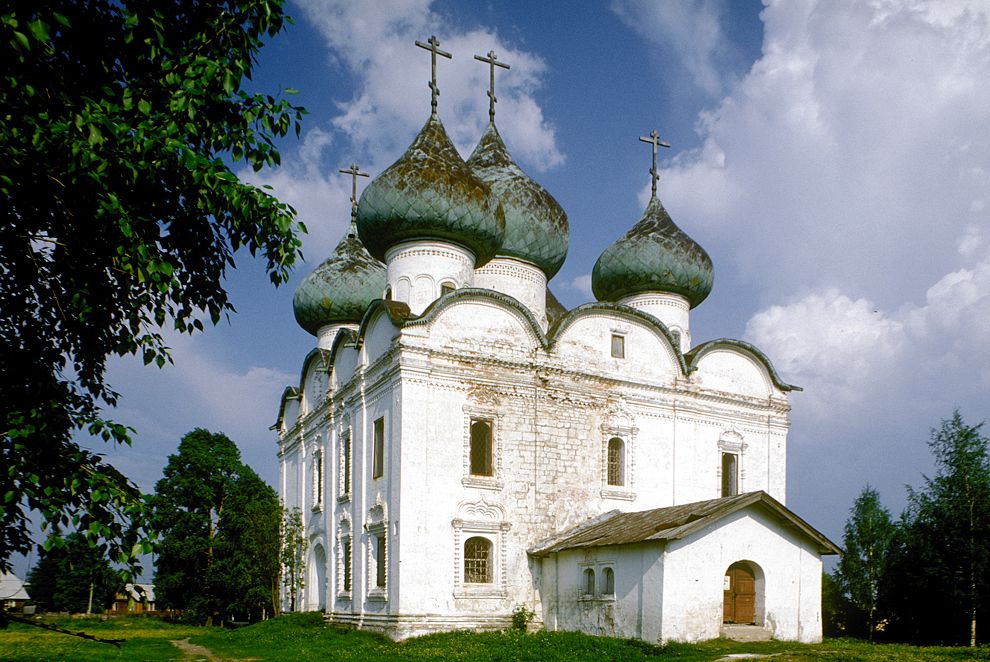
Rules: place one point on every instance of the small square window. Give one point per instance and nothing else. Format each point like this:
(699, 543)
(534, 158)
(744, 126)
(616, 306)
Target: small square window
(618, 346)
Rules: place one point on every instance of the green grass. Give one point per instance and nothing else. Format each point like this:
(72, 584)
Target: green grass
(305, 637)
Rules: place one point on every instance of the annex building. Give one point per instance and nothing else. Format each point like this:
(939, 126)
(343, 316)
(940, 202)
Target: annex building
(461, 446)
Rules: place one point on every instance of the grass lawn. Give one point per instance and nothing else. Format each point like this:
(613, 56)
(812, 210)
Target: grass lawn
(305, 637)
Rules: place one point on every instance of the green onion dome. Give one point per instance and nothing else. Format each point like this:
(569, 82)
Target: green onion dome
(430, 193)
(535, 225)
(341, 288)
(654, 256)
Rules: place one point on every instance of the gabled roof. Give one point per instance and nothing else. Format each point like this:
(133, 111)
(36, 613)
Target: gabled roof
(675, 523)
(12, 588)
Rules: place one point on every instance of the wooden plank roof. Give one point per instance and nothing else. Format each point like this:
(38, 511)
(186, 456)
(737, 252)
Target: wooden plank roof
(675, 523)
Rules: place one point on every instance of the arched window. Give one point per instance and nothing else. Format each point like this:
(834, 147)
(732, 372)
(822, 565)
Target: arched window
(481, 448)
(608, 581)
(477, 561)
(589, 581)
(616, 462)
(447, 287)
(318, 479)
(388, 293)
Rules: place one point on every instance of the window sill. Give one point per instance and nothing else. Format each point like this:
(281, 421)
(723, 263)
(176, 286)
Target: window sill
(597, 598)
(377, 595)
(344, 498)
(618, 493)
(482, 482)
(344, 596)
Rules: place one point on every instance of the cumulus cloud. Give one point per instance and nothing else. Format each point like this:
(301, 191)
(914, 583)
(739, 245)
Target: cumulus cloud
(310, 183)
(692, 30)
(375, 43)
(199, 390)
(847, 157)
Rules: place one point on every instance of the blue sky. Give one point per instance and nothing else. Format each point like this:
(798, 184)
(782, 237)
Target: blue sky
(832, 157)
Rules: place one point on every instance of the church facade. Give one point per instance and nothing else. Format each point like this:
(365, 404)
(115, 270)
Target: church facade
(462, 447)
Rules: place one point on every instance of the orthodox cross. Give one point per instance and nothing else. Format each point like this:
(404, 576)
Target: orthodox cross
(354, 173)
(431, 45)
(492, 62)
(654, 140)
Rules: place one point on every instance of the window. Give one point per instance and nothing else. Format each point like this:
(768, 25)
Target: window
(608, 581)
(616, 462)
(478, 561)
(618, 346)
(380, 565)
(481, 448)
(730, 473)
(344, 479)
(589, 582)
(345, 564)
(388, 293)
(317, 479)
(447, 287)
(379, 449)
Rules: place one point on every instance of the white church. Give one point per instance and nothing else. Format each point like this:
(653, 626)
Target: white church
(462, 447)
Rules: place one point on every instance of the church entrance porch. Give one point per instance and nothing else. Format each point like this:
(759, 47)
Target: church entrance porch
(739, 595)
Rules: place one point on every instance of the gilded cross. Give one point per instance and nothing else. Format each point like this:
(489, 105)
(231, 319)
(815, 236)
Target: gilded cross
(654, 139)
(431, 45)
(492, 62)
(354, 173)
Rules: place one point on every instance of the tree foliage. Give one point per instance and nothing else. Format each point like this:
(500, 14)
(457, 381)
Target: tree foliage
(866, 541)
(65, 574)
(218, 524)
(938, 572)
(120, 214)
(293, 555)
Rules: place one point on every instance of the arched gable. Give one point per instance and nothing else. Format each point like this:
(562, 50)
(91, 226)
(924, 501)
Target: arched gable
(288, 410)
(471, 316)
(734, 366)
(620, 339)
(313, 380)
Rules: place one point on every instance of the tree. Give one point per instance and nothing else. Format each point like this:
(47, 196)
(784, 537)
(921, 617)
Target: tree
(248, 548)
(938, 575)
(73, 577)
(867, 539)
(293, 555)
(120, 215)
(218, 527)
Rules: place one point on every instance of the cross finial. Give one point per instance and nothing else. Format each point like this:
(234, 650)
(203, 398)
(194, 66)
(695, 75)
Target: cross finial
(492, 62)
(654, 139)
(354, 173)
(431, 45)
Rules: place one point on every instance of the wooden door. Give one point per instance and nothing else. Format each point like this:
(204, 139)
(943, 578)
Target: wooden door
(739, 596)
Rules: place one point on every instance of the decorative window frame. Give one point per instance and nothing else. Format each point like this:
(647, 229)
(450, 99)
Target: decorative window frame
(493, 418)
(627, 433)
(598, 567)
(731, 441)
(318, 476)
(378, 447)
(482, 520)
(345, 461)
(376, 528)
(344, 535)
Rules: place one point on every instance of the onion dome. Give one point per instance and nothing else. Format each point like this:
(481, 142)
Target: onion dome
(341, 288)
(430, 193)
(535, 225)
(654, 256)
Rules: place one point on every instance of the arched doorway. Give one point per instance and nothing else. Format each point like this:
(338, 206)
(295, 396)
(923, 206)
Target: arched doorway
(317, 589)
(742, 594)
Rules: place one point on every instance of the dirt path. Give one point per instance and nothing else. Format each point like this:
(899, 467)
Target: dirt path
(193, 652)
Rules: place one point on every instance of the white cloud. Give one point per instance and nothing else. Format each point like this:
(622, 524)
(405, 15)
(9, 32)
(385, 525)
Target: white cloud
(310, 183)
(692, 30)
(850, 355)
(581, 284)
(375, 42)
(197, 391)
(852, 155)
